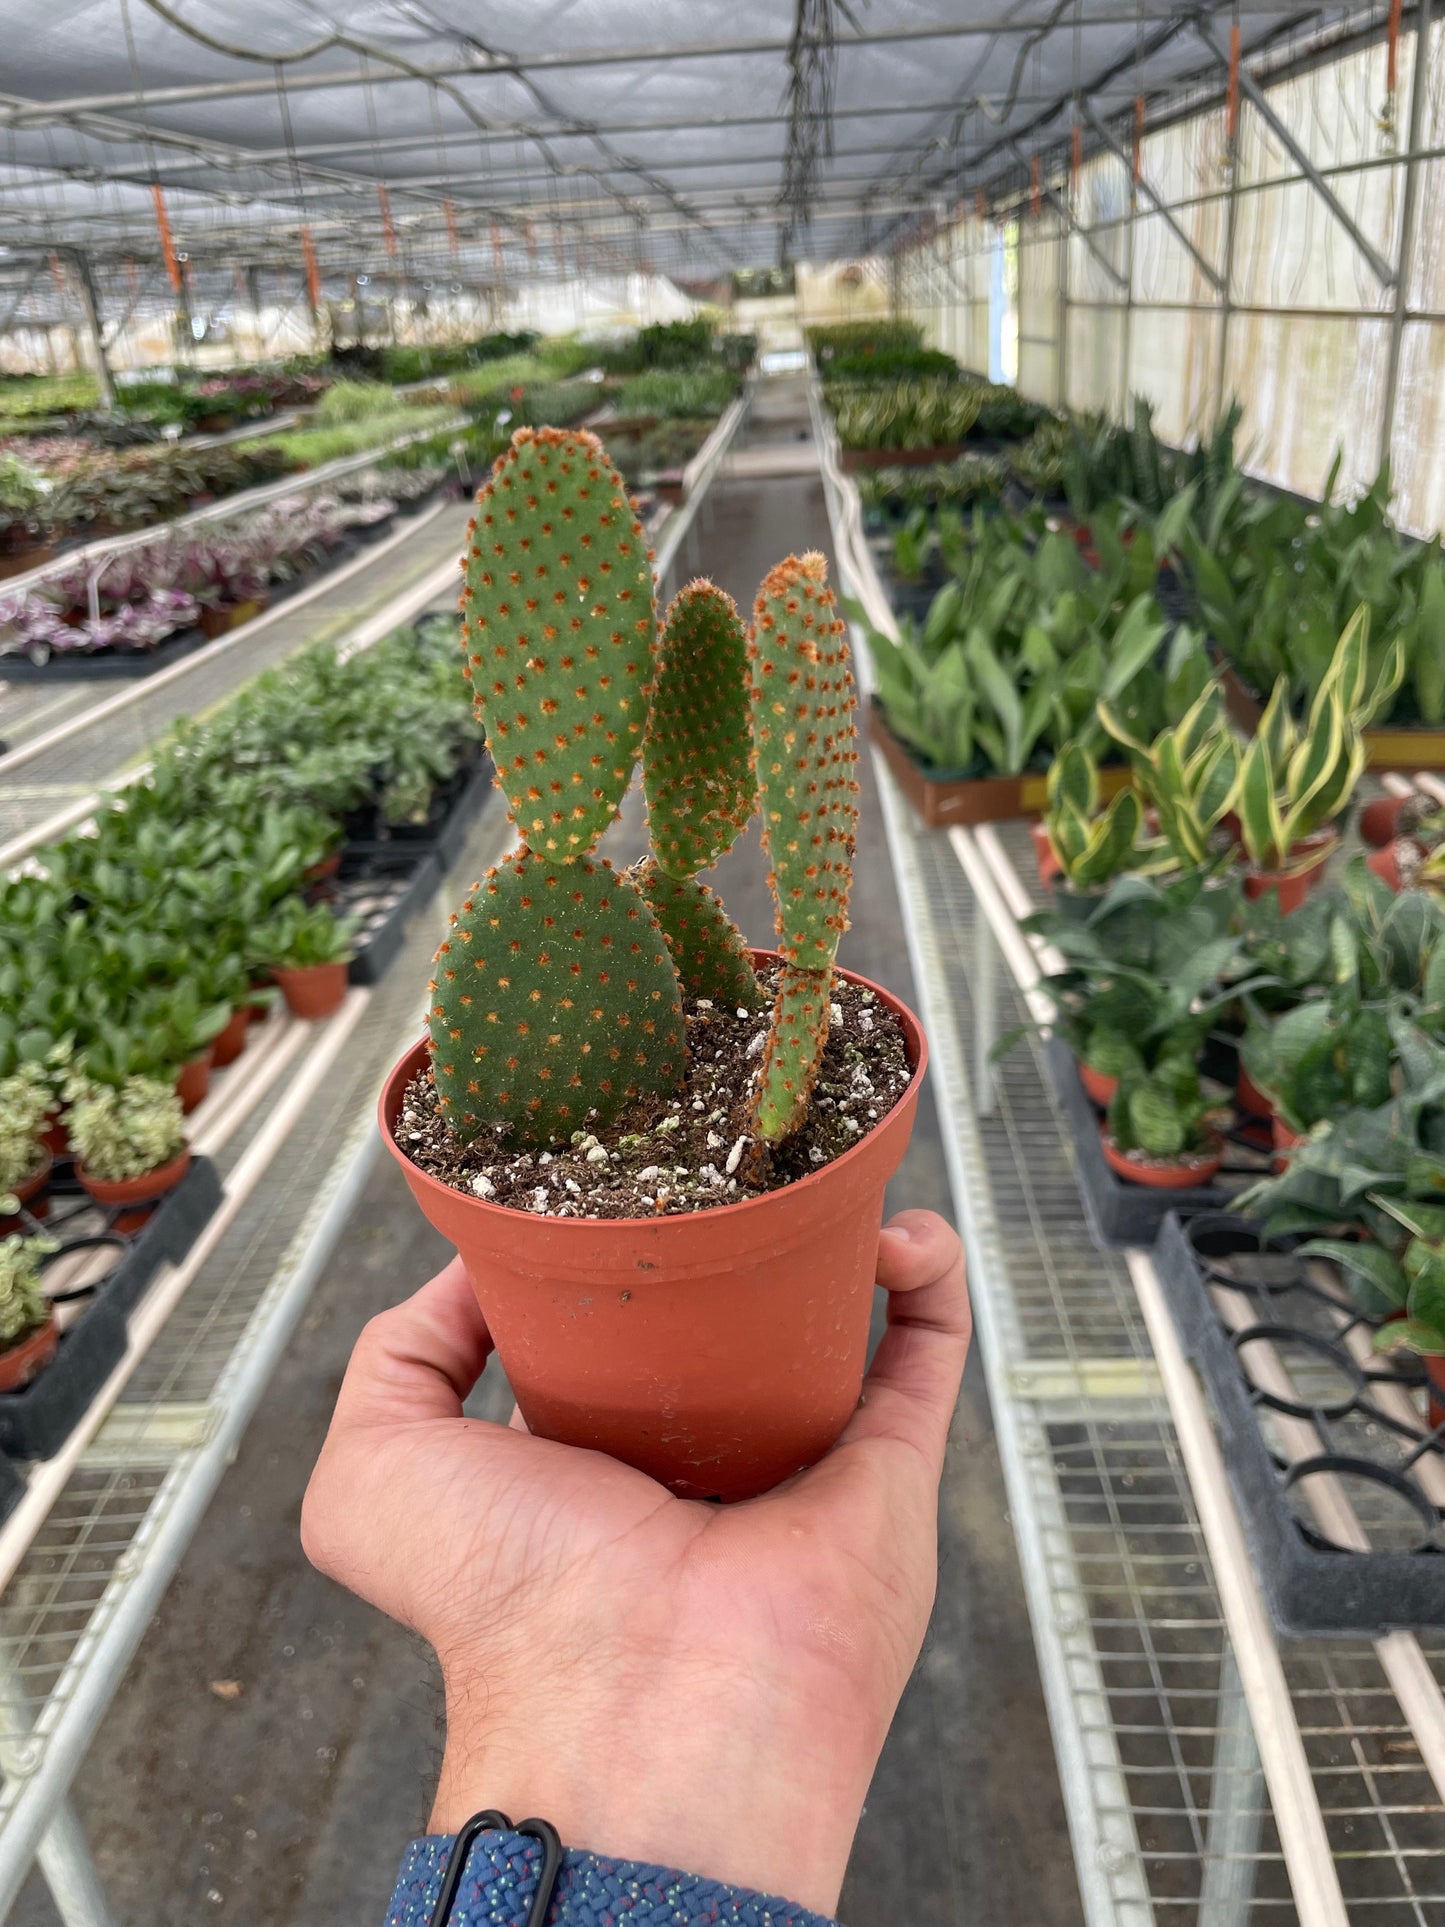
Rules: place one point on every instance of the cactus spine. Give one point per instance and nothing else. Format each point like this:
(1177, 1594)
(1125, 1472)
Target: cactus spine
(557, 995)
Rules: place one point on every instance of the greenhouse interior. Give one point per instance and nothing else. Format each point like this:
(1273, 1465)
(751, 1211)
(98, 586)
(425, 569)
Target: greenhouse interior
(483, 489)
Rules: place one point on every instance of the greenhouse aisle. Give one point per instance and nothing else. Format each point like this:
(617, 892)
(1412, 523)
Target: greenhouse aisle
(253, 1658)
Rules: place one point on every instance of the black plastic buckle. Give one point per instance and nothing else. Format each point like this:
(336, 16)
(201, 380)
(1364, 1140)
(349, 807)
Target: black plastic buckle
(494, 1822)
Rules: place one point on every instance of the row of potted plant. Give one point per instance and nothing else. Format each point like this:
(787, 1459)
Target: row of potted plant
(209, 576)
(134, 955)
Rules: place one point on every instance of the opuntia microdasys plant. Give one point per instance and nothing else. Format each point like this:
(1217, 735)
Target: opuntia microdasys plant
(558, 994)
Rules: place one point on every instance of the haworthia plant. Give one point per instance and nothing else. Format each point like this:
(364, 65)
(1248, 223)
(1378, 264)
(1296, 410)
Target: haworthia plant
(558, 992)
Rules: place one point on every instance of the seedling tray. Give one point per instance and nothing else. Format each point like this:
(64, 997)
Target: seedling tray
(166, 1236)
(36, 1421)
(102, 665)
(942, 800)
(856, 458)
(1347, 1411)
(1117, 1212)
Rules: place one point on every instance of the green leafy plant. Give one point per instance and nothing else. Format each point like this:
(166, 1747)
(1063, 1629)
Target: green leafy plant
(558, 992)
(1094, 845)
(124, 1132)
(25, 1102)
(905, 414)
(1188, 774)
(677, 393)
(301, 935)
(24, 1307)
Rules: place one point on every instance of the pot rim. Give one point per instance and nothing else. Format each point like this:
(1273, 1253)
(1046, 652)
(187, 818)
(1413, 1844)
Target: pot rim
(1190, 1161)
(182, 1159)
(912, 1029)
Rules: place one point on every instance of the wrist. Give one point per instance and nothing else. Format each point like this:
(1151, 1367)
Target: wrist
(768, 1801)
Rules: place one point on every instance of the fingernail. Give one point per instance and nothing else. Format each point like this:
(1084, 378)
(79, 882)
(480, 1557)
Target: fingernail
(898, 1231)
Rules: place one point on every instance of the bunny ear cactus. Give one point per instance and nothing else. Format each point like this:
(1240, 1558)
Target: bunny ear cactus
(557, 994)
(804, 757)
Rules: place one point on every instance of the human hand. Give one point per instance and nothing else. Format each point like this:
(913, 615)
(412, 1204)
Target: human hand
(705, 1687)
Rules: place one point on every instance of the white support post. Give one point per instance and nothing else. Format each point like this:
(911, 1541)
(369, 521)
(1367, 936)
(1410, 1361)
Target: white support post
(985, 1015)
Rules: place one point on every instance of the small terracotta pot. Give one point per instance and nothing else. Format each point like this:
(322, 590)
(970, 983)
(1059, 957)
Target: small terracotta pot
(719, 1351)
(313, 990)
(1379, 819)
(29, 1191)
(231, 1041)
(1302, 876)
(1158, 1173)
(320, 872)
(56, 1136)
(1285, 1141)
(1100, 1086)
(26, 1360)
(194, 1080)
(142, 1190)
(1435, 1373)
(1049, 865)
(1250, 1098)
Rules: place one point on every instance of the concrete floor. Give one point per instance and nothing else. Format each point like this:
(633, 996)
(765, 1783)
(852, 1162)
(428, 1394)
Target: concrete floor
(286, 1804)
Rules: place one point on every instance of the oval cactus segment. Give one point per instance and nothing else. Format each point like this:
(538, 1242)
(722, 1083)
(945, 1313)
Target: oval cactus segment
(805, 754)
(794, 1050)
(554, 999)
(558, 614)
(697, 756)
(707, 948)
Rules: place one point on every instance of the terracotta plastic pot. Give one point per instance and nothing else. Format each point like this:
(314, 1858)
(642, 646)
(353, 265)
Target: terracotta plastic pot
(29, 1191)
(194, 1080)
(1250, 1098)
(1049, 865)
(232, 1040)
(142, 1190)
(56, 1136)
(1379, 819)
(719, 1351)
(327, 867)
(1285, 1141)
(314, 990)
(1100, 1086)
(1303, 875)
(24, 1361)
(1435, 1372)
(1158, 1173)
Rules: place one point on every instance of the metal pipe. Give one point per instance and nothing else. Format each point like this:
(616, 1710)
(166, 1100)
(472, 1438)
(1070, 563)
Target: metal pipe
(1143, 183)
(1419, 92)
(1257, 98)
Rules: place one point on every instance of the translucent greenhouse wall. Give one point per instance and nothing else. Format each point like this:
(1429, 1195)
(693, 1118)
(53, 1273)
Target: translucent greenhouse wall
(1301, 332)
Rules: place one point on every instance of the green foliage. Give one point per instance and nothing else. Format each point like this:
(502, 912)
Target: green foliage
(301, 934)
(25, 1100)
(676, 393)
(905, 414)
(354, 401)
(1025, 649)
(1188, 775)
(876, 335)
(24, 1306)
(932, 485)
(1093, 846)
(708, 953)
(314, 447)
(125, 1131)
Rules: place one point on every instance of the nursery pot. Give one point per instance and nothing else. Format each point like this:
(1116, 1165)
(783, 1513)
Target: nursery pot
(1164, 1174)
(1385, 863)
(313, 990)
(194, 1079)
(24, 1361)
(142, 1190)
(29, 1191)
(1049, 865)
(719, 1351)
(231, 1041)
(1285, 1141)
(1435, 1373)
(1100, 1086)
(1307, 867)
(1378, 820)
(56, 1135)
(1249, 1097)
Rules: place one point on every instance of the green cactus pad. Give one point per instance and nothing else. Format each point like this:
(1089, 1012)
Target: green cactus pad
(805, 754)
(558, 616)
(799, 1031)
(707, 948)
(696, 759)
(554, 997)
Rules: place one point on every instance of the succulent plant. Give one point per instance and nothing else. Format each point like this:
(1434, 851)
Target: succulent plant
(127, 1131)
(24, 1307)
(558, 993)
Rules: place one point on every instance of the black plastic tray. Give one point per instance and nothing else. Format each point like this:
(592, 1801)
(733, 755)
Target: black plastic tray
(1117, 1212)
(406, 876)
(167, 1235)
(36, 1421)
(103, 665)
(1312, 1585)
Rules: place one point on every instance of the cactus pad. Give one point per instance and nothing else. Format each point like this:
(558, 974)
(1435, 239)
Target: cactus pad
(558, 616)
(707, 949)
(554, 997)
(795, 1045)
(805, 754)
(696, 760)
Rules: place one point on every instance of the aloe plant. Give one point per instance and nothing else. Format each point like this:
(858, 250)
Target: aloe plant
(558, 993)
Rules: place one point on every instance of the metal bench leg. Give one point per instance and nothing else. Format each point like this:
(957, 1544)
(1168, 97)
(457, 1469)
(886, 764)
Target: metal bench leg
(1236, 1809)
(70, 1874)
(985, 1014)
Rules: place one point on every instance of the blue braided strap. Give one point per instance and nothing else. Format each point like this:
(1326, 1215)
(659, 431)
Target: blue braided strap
(501, 1877)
